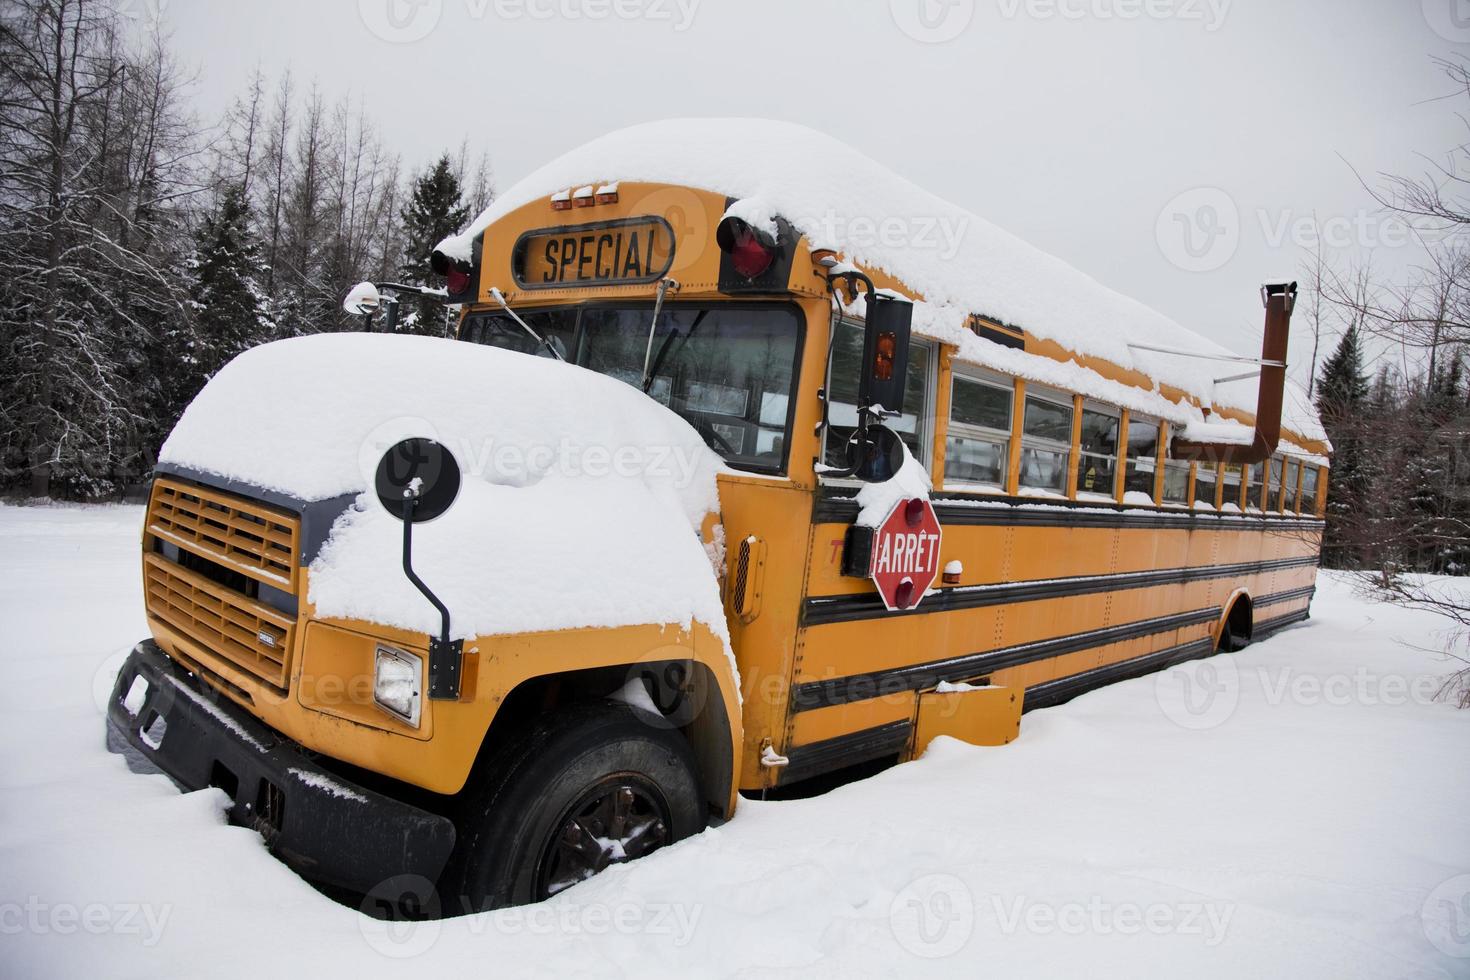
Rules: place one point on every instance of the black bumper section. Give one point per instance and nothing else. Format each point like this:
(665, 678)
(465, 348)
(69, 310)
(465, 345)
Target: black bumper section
(327, 829)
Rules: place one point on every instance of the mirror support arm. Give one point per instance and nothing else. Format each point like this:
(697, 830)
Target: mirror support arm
(445, 655)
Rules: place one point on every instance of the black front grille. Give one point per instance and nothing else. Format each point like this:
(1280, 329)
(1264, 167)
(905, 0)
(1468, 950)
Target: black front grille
(214, 571)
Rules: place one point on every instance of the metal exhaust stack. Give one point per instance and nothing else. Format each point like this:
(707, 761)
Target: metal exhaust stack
(1278, 298)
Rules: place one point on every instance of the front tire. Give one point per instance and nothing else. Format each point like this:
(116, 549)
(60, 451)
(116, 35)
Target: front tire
(592, 785)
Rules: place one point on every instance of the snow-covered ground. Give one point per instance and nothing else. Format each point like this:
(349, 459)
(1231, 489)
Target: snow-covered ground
(1301, 809)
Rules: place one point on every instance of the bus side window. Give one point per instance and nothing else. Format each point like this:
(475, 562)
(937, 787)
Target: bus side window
(1098, 467)
(978, 447)
(843, 369)
(1293, 473)
(1046, 441)
(1309, 490)
(1230, 476)
(1206, 478)
(1254, 481)
(1271, 498)
(1143, 447)
(1176, 482)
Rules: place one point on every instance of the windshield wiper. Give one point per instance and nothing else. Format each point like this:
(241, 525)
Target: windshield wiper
(664, 285)
(541, 341)
(663, 349)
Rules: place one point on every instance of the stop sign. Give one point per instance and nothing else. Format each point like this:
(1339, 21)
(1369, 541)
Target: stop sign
(905, 555)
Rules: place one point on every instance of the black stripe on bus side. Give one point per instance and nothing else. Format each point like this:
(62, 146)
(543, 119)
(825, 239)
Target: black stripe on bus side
(815, 758)
(1064, 689)
(917, 677)
(1023, 511)
(1264, 628)
(867, 744)
(822, 610)
(1276, 598)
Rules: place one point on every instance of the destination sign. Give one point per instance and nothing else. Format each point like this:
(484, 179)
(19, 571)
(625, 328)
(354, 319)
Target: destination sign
(609, 253)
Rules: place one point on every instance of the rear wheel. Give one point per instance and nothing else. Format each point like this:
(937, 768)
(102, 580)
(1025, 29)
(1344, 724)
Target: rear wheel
(1236, 633)
(589, 787)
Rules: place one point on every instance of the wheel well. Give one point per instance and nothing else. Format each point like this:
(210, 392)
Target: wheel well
(1241, 618)
(685, 691)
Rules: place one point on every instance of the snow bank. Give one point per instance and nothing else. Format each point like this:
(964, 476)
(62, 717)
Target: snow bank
(1307, 792)
(581, 500)
(959, 262)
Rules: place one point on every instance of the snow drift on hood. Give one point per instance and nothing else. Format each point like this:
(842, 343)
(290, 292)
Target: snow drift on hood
(581, 501)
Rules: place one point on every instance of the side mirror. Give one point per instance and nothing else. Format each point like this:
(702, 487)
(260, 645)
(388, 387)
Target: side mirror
(362, 300)
(879, 454)
(417, 480)
(885, 352)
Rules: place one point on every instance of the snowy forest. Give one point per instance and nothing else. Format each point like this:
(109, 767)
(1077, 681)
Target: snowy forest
(142, 247)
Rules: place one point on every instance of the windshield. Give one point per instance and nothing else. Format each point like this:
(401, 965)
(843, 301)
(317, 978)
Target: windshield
(727, 370)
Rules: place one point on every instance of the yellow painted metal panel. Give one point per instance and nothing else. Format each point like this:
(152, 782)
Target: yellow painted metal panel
(983, 716)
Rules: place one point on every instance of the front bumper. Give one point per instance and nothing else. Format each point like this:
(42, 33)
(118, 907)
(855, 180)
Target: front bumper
(326, 828)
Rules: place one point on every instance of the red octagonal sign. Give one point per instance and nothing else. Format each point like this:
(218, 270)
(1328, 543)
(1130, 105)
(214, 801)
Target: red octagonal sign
(905, 557)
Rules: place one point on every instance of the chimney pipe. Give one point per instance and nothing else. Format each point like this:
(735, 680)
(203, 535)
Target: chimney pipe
(1278, 298)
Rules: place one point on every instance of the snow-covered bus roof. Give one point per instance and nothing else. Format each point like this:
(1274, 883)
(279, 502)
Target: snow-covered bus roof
(958, 262)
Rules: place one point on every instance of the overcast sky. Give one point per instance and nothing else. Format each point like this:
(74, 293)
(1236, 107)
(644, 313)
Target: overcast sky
(1173, 149)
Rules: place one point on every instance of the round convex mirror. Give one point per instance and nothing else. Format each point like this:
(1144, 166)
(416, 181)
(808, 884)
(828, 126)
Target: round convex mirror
(362, 300)
(421, 471)
(882, 457)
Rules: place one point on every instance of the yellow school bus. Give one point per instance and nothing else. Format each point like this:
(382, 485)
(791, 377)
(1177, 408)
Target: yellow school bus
(1072, 537)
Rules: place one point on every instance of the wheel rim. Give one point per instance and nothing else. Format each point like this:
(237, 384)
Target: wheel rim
(620, 818)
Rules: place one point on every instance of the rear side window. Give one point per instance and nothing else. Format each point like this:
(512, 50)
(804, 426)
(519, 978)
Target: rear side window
(1205, 481)
(1271, 494)
(1230, 476)
(1309, 490)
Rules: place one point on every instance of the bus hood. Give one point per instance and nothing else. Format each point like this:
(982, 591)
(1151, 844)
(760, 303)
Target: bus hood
(582, 498)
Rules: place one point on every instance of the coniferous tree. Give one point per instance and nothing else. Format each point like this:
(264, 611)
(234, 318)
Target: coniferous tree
(435, 210)
(1342, 395)
(1343, 386)
(231, 312)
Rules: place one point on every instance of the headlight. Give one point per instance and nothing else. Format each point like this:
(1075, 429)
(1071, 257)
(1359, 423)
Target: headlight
(398, 682)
